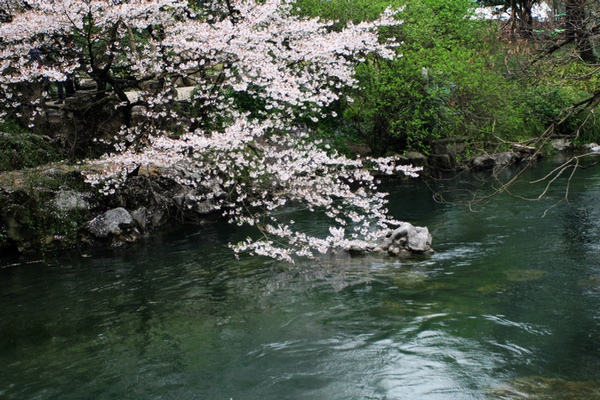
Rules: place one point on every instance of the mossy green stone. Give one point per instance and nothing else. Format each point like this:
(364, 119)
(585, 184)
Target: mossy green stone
(525, 275)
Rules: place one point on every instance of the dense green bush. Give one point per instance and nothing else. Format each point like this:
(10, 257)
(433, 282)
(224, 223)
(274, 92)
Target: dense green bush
(542, 106)
(443, 83)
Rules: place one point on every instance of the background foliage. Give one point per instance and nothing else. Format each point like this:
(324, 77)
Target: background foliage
(457, 76)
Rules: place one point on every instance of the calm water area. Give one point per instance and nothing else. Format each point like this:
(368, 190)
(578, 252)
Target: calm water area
(508, 307)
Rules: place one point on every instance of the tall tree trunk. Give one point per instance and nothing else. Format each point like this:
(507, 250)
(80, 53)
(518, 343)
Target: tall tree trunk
(527, 18)
(513, 17)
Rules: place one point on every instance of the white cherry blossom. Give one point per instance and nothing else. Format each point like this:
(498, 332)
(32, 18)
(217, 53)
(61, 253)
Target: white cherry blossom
(253, 167)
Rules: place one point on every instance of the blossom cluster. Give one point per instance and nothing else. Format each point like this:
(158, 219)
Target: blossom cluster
(287, 60)
(252, 174)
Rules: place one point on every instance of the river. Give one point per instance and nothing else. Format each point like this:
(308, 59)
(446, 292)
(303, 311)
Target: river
(508, 307)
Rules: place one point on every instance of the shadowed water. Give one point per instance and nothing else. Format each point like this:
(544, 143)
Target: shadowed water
(508, 307)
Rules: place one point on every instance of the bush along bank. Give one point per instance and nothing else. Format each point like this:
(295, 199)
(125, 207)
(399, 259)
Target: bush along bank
(451, 155)
(52, 207)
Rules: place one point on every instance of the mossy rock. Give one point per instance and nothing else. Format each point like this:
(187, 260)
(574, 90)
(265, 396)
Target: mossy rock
(391, 308)
(541, 388)
(525, 275)
(592, 282)
(411, 280)
(492, 289)
(418, 281)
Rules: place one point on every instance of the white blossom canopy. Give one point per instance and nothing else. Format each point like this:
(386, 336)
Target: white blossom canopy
(292, 64)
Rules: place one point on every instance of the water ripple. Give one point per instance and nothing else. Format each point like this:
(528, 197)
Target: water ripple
(527, 327)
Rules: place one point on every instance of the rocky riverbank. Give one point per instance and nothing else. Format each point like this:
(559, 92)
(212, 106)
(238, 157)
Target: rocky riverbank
(52, 207)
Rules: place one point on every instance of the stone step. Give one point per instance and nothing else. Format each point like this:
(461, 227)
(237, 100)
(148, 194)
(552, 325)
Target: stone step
(184, 93)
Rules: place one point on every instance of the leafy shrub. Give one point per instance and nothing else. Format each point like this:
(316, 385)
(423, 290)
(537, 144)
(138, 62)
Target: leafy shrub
(444, 82)
(540, 107)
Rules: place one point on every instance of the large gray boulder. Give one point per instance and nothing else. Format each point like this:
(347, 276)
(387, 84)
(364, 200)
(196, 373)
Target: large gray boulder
(495, 160)
(112, 222)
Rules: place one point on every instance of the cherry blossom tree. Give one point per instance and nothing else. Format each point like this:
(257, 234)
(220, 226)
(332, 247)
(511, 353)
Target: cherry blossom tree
(246, 165)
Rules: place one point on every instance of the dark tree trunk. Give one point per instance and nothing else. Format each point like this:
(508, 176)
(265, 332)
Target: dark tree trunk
(577, 31)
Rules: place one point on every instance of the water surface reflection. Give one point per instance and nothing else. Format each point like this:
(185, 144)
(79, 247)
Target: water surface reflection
(508, 304)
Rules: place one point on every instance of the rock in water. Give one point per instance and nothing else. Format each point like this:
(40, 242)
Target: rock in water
(419, 240)
(407, 238)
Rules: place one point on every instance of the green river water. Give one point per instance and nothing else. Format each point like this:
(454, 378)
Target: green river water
(508, 307)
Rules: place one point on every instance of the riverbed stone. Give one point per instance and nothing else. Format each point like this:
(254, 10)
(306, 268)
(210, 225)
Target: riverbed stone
(561, 144)
(592, 147)
(525, 275)
(112, 222)
(411, 280)
(407, 239)
(492, 289)
(592, 282)
(537, 387)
